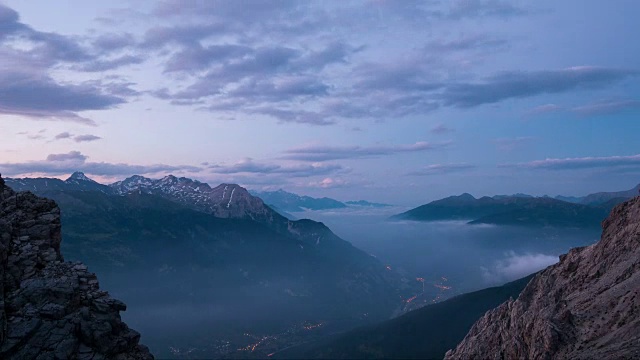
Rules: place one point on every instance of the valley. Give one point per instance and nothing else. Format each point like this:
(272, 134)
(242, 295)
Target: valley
(290, 179)
(248, 282)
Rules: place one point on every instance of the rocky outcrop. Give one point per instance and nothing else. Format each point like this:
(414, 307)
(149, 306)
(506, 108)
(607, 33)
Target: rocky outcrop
(49, 308)
(585, 307)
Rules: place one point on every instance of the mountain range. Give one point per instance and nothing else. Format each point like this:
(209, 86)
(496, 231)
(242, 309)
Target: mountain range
(286, 201)
(174, 239)
(181, 240)
(519, 209)
(602, 197)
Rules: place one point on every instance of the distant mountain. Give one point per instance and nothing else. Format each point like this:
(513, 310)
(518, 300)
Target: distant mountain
(78, 181)
(600, 198)
(603, 197)
(518, 195)
(571, 199)
(365, 203)
(510, 210)
(282, 212)
(287, 201)
(426, 333)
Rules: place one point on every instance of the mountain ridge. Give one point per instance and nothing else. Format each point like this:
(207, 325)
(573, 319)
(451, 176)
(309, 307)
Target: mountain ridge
(509, 210)
(586, 306)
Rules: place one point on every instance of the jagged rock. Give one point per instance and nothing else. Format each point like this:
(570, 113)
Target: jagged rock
(49, 308)
(585, 307)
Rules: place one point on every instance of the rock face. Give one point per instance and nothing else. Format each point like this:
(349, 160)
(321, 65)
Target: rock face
(585, 307)
(51, 309)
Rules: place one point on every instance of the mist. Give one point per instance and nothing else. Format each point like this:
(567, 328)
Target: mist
(471, 257)
(194, 312)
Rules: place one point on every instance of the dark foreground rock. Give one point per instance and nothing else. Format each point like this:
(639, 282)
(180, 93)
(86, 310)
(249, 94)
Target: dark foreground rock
(585, 307)
(49, 308)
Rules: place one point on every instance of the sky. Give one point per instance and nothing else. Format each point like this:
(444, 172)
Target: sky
(395, 101)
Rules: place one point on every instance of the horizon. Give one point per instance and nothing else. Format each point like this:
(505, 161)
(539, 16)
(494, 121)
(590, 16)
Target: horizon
(385, 101)
(413, 205)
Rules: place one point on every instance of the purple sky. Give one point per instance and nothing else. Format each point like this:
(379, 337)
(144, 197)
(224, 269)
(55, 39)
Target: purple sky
(394, 101)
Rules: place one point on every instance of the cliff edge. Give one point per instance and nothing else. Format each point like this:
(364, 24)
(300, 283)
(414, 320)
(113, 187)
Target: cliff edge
(49, 308)
(585, 307)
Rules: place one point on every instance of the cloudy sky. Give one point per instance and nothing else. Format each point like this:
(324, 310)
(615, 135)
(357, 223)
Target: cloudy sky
(394, 101)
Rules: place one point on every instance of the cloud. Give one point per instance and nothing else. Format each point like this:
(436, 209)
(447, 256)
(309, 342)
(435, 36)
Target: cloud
(323, 153)
(607, 107)
(76, 138)
(72, 155)
(63, 135)
(113, 41)
(86, 138)
(543, 109)
(511, 85)
(510, 144)
(41, 96)
(100, 65)
(28, 56)
(441, 129)
(464, 43)
(249, 166)
(484, 8)
(33, 136)
(66, 163)
(516, 266)
(580, 163)
(439, 169)
(329, 183)
(295, 116)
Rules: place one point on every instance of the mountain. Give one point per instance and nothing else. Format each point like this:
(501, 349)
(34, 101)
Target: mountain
(181, 241)
(366, 204)
(287, 201)
(509, 210)
(603, 197)
(584, 307)
(49, 308)
(426, 333)
(518, 195)
(600, 198)
(223, 201)
(77, 181)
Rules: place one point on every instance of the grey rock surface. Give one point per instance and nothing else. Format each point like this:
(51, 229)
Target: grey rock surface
(49, 308)
(585, 307)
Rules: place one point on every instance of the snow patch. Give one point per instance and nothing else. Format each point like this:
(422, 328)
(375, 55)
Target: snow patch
(230, 197)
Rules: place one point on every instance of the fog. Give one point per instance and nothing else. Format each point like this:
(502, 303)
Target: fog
(471, 257)
(188, 313)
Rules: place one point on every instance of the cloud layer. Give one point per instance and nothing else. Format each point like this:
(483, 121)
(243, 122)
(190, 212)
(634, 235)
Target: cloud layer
(323, 153)
(66, 163)
(580, 163)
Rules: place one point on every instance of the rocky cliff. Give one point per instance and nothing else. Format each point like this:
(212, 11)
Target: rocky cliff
(49, 308)
(585, 307)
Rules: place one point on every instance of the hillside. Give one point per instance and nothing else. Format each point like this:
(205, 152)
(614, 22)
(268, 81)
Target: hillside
(584, 307)
(426, 333)
(181, 241)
